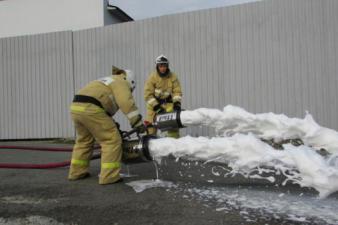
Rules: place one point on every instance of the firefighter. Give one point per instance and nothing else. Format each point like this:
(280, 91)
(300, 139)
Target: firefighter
(91, 112)
(162, 94)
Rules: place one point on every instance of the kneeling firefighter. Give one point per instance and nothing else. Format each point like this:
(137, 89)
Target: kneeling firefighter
(91, 112)
(162, 94)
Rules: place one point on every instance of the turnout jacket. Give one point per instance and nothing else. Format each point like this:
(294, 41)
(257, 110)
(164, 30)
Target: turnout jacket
(114, 93)
(159, 88)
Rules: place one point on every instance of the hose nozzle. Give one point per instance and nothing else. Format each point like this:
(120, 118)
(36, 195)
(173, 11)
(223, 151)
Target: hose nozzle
(137, 150)
(168, 121)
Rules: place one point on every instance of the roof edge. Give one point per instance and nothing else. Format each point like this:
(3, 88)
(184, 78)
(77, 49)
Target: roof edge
(119, 12)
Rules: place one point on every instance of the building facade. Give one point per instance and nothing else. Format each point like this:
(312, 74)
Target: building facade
(27, 17)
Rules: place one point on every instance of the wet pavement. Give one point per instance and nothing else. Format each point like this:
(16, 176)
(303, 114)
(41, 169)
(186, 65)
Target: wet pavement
(46, 197)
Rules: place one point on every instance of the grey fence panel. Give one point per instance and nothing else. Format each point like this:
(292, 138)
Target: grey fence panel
(3, 91)
(37, 86)
(333, 58)
(265, 56)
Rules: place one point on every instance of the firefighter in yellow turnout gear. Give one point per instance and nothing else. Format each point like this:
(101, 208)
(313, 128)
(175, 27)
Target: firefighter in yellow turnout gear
(162, 93)
(91, 113)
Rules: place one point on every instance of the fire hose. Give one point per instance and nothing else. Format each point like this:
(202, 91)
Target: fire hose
(134, 150)
(40, 166)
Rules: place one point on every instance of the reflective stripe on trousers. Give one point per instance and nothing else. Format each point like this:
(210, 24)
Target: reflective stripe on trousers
(80, 162)
(111, 165)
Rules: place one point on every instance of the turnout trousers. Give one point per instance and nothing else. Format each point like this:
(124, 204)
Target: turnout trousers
(102, 128)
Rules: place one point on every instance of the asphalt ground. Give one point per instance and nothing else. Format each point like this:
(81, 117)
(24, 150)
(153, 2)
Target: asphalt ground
(33, 196)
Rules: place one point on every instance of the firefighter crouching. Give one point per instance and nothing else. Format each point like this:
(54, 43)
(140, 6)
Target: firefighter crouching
(91, 113)
(162, 94)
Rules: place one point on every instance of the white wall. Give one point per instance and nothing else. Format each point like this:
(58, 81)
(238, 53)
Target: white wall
(22, 17)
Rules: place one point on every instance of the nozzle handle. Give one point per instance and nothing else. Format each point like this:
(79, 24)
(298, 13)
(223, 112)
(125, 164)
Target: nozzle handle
(128, 133)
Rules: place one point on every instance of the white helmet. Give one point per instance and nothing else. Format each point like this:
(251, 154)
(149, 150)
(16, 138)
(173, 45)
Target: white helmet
(131, 79)
(162, 59)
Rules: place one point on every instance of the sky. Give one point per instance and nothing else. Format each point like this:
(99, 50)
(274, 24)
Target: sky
(142, 9)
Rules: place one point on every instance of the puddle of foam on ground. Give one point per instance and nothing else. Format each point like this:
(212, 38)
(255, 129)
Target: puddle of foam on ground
(141, 185)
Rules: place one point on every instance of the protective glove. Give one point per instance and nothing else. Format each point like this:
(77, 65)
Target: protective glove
(140, 128)
(137, 124)
(177, 106)
(158, 109)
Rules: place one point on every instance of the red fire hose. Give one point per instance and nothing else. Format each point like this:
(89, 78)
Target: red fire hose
(40, 166)
(50, 149)
(47, 149)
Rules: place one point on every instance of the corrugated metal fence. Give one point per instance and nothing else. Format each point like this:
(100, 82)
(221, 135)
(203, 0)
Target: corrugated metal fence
(37, 85)
(273, 55)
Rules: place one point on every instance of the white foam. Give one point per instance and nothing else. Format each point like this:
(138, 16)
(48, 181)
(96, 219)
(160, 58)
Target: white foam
(241, 148)
(141, 185)
(245, 153)
(265, 125)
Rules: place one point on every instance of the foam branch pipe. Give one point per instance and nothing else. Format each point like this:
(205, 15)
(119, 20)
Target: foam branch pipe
(168, 121)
